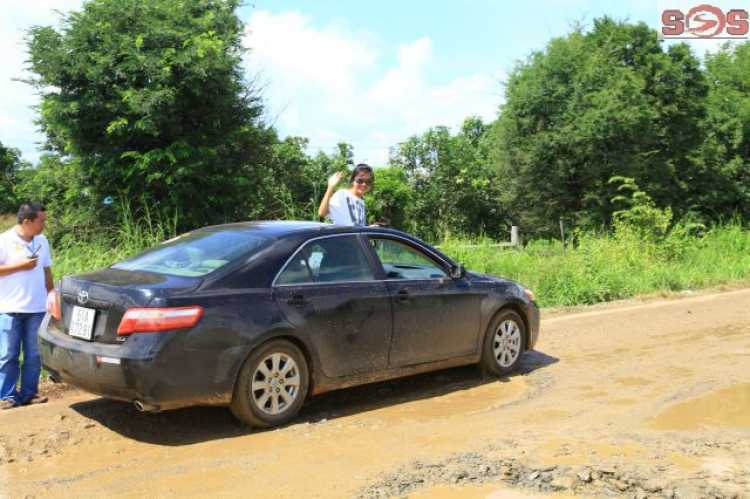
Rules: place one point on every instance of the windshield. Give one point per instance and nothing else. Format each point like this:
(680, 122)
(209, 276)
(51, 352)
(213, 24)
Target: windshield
(194, 254)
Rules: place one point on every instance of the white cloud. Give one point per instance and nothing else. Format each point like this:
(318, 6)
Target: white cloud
(405, 82)
(304, 59)
(355, 87)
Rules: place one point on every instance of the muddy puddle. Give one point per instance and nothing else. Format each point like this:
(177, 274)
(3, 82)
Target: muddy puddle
(727, 407)
(476, 399)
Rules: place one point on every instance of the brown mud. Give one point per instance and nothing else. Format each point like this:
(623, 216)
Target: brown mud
(634, 399)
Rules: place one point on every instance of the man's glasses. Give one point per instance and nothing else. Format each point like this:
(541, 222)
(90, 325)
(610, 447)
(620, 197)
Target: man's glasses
(361, 181)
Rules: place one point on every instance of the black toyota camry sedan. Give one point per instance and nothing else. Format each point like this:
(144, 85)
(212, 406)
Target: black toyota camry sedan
(260, 315)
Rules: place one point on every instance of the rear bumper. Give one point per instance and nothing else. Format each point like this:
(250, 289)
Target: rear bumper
(153, 368)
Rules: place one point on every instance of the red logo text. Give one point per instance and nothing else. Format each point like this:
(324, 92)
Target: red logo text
(705, 21)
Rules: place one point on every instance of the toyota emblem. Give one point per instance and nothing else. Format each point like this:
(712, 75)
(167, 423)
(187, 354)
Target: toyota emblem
(83, 297)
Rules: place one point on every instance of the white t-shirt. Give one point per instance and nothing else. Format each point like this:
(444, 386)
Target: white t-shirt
(25, 290)
(345, 208)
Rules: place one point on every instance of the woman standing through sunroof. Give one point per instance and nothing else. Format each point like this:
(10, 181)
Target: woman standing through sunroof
(346, 206)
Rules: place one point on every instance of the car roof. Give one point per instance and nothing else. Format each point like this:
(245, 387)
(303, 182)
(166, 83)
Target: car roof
(268, 227)
(281, 228)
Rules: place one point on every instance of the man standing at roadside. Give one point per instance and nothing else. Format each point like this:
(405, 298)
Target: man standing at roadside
(25, 280)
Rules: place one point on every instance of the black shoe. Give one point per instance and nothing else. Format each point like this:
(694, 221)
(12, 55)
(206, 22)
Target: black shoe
(36, 399)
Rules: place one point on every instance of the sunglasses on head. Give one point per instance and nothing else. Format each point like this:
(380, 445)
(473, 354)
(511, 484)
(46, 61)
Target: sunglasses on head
(361, 181)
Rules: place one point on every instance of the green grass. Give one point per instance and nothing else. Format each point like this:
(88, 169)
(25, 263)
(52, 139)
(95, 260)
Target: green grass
(610, 267)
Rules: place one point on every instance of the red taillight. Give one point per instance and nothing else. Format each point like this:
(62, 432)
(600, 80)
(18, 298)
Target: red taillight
(150, 320)
(53, 304)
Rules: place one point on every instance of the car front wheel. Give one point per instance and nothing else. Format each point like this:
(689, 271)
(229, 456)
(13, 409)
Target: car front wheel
(504, 343)
(272, 385)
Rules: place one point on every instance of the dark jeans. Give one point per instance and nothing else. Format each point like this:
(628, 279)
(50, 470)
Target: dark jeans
(18, 331)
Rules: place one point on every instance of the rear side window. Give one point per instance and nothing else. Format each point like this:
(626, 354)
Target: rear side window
(296, 271)
(195, 254)
(333, 259)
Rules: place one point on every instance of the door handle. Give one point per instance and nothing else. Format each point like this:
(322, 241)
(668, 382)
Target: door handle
(402, 296)
(298, 301)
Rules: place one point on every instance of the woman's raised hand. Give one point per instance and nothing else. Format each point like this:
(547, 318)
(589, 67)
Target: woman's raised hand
(334, 179)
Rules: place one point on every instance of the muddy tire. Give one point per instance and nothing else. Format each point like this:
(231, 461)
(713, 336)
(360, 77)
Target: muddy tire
(504, 344)
(271, 386)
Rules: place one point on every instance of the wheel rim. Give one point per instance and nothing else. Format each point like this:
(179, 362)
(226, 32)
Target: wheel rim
(275, 384)
(506, 344)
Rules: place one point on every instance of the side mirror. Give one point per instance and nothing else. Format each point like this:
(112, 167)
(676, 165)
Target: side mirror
(458, 271)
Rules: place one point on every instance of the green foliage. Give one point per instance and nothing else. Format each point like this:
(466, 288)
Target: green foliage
(722, 165)
(390, 198)
(607, 267)
(452, 188)
(131, 234)
(152, 227)
(292, 191)
(641, 214)
(297, 181)
(149, 99)
(592, 106)
(11, 168)
(58, 184)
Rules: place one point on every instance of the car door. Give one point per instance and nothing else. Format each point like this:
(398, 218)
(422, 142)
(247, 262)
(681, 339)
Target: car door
(435, 317)
(327, 290)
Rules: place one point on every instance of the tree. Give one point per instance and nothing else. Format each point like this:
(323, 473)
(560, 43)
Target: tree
(57, 183)
(10, 168)
(722, 164)
(592, 106)
(453, 190)
(150, 99)
(390, 199)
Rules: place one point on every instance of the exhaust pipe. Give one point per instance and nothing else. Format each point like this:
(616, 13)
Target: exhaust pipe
(142, 406)
(52, 375)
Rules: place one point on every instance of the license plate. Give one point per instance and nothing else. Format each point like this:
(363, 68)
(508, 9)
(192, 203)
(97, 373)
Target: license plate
(82, 322)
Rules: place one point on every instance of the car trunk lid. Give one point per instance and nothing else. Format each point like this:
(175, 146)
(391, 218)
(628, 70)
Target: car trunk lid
(92, 304)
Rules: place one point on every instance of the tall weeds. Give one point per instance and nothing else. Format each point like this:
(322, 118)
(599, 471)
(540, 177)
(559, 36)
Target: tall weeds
(133, 234)
(603, 267)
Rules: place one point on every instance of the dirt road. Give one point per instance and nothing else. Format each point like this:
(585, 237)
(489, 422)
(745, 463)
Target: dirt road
(632, 399)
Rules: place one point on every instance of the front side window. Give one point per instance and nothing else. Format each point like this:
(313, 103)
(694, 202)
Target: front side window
(401, 261)
(332, 259)
(195, 254)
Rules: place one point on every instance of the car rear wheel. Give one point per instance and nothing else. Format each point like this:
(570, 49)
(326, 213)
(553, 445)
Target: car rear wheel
(272, 385)
(504, 343)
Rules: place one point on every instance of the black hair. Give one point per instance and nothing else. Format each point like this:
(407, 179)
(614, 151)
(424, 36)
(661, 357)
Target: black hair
(361, 168)
(29, 211)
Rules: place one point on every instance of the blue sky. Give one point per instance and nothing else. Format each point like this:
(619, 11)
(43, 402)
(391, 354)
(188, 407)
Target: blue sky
(371, 73)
